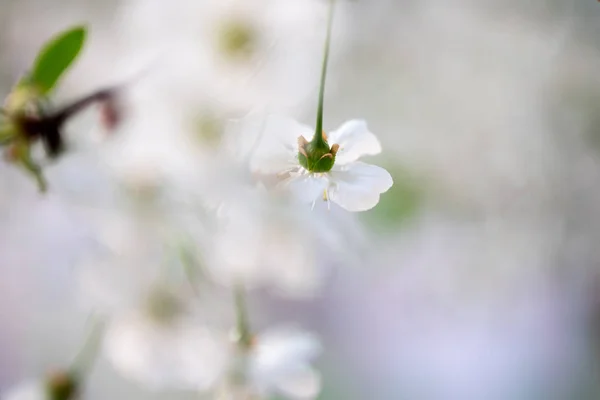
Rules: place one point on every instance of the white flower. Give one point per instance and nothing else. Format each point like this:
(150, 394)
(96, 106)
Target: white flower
(352, 184)
(279, 363)
(161, 341)
(155, 332)
(229, 54)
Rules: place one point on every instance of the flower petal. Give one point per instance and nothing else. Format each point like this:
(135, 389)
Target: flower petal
(306, 187)
(163, 356)
(281, 363)
(303, 383)
(34, 390)
(357, 186)
(241, 135)
(355, 140)
(277, 149)
(237, 251)
(287, 344)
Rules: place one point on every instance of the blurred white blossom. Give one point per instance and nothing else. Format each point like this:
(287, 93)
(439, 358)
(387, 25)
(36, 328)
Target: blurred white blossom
(34, 390)
(278, 362)
(262, 240)
(162, 351)
(156, 333)
(223, 55)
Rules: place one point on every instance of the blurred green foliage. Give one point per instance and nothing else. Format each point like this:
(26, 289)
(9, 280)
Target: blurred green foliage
(399, 204)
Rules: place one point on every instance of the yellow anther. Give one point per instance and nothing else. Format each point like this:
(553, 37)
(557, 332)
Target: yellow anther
(334, 148)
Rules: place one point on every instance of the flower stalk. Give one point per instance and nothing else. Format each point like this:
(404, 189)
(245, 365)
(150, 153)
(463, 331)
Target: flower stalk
(318, 137)
(316, 155)
(85, 359)
(243, 324)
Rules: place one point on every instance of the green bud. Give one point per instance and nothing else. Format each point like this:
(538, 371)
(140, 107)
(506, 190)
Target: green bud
(62, 386)
(22, 98)
(316, 155)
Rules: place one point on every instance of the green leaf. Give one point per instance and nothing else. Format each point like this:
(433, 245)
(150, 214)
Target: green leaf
(55, 57)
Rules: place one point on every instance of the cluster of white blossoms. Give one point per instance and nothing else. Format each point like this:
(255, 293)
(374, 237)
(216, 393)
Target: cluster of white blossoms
(171, 282)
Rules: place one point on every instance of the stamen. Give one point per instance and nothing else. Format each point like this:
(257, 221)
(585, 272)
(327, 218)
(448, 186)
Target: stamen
(335, 148)
(302, 142)
(326, 198)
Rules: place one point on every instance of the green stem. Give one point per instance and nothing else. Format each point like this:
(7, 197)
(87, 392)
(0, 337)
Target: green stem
(243, 324)
(7, 134)
(32, 167)
(318, 138)
(191, 268)
(88, 353)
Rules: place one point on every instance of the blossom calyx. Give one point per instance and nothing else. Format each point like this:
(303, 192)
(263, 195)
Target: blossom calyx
(62, 385)
(316, 155)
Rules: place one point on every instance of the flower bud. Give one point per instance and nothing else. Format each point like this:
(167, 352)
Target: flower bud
(62, 385)
(22, 97)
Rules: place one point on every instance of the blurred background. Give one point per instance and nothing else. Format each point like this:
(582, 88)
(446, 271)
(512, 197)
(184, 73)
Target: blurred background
(478, 273)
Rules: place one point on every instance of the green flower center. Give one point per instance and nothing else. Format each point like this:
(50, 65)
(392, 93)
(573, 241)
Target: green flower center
(61, 386)
(237, 38)
(163, 305)
(316, 155)
(209, 128)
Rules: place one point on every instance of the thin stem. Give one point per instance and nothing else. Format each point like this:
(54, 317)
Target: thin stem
(88, 353)
(318, 138)
(191, 267)
(60, 116)
(243, 324)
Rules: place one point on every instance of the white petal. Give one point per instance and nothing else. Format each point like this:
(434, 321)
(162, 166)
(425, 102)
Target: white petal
(253, 236)
(280, 362)
(277, 149)
(303, 383)
(357, 186)
(163, 356)
(355, 140)
(300, 277)
(27, 391)
(277, 348)
(307, 187)
(237, 252)
(241, 135)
